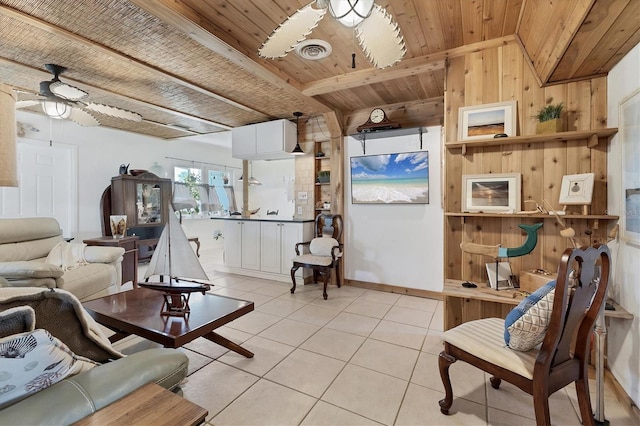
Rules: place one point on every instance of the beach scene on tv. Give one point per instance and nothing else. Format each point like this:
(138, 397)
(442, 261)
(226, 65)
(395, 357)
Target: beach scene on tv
(390, 178)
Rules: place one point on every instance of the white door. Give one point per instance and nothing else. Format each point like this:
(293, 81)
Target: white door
(47, 178)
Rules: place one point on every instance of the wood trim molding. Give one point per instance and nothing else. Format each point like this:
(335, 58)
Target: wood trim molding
(404, 69)
(395, 289)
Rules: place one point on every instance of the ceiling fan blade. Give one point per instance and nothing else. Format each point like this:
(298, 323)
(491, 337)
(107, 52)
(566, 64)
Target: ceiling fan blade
(26, 104)
(291, 32)
(380, 38)
(114, 112)
(66, 91)
(83, 118)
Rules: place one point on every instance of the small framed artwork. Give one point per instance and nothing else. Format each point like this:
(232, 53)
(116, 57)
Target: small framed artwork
(492, 193)
(486, 121)
(576, 189)
(629, 136)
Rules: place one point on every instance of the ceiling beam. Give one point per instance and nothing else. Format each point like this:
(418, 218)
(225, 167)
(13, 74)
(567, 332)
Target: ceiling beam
(53, 29)
(46, 76)
(405, 68)
(204, 32)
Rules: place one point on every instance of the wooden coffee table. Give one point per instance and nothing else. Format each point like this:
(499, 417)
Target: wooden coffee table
(137, 312)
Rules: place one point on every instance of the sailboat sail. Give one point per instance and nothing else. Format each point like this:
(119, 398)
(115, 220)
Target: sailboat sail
(173, 255)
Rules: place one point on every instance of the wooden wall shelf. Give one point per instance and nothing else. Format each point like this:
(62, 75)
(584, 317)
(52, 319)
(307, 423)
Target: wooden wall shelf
(536, 216)
(591, 136)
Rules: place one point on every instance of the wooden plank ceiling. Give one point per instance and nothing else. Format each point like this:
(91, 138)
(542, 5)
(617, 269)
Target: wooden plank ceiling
(191, 66)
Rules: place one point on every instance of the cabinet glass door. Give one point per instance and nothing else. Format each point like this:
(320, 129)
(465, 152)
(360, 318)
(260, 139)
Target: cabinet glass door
(148, 198)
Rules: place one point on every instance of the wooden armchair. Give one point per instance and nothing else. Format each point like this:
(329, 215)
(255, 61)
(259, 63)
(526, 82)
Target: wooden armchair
(563, 355)
(324, 251)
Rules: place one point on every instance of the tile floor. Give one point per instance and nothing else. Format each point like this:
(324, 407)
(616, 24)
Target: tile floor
(362, 357)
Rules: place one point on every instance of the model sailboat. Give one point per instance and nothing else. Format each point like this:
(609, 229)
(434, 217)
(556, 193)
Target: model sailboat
(174, 258)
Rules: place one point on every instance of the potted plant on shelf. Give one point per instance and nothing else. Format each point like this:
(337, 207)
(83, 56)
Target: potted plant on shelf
(324, 176)
(550, 119)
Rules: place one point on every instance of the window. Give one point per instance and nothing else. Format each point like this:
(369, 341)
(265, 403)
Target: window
(192, 194)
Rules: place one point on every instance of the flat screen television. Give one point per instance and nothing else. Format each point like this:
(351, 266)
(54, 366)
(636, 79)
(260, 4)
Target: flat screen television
(401, 178)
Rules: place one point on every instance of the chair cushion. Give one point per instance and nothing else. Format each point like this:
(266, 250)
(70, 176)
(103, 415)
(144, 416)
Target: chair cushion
(322, 246)
(526, 325)
(33, 361)
(484, 339)
(311, 259)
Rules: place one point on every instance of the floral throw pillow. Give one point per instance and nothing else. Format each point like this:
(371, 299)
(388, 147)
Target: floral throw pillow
(32, 361)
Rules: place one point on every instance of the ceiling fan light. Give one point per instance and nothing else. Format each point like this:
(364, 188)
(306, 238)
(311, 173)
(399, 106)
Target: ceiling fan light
(350, 12)
(57, 110)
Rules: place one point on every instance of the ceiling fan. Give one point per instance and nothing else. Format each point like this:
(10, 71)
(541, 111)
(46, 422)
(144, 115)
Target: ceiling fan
(62, 100)
(378, 35)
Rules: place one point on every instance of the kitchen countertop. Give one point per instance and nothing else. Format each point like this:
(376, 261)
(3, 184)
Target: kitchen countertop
(264, 219)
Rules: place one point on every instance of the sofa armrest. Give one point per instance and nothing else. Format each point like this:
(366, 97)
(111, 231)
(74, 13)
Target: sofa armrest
(74, 398)
(101, 254)
(27, 269)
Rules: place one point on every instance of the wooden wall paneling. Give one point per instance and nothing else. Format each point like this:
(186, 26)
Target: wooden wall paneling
(578, 105)
(598, 165)
(531, 101)
(599, 103)
(454, 96)
(453, 254)
(491, 75)
(473, 74)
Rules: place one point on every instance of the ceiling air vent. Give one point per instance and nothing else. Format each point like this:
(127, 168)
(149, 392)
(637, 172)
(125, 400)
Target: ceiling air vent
(313, 49)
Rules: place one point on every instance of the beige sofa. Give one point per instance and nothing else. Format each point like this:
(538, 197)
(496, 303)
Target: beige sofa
(25, 245)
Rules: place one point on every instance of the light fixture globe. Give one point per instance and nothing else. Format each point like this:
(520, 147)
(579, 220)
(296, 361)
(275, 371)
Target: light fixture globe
(57, 110)
(350, 12)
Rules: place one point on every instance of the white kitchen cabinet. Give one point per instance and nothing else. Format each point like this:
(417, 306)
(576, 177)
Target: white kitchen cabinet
(278, 241)
(271, 140)
(263, 248)
(242, 244)
(243, 141)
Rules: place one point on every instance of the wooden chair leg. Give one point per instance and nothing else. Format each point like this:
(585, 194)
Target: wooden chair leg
(541, 405)
(338, 275)
(584, 402)
(325, 276)
(444, 362)
(293, 278)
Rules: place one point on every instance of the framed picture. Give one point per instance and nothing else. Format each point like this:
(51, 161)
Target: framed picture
(492, 193)
(486, 121)
(576, 189)
(390, 178)
(629, 133)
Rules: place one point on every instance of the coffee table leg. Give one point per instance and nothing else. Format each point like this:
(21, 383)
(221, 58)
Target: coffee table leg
(223, 341)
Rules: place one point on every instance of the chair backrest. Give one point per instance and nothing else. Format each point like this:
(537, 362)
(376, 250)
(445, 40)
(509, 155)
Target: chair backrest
(328, 225)
(583, 276)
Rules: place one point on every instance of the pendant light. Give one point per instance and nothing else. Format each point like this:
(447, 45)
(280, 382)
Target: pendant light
(252, 179)
(298, 149)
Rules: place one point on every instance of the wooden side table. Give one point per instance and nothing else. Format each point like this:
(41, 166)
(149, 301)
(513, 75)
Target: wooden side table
(130, 259)
(150, 405)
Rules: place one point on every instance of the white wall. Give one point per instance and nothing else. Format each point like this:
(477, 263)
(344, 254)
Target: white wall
(276, 191)
(624, 335)
(101, 150)
(396, 244)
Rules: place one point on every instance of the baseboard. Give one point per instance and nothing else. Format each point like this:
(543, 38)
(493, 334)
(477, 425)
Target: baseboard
(395, 289)
(621, 395)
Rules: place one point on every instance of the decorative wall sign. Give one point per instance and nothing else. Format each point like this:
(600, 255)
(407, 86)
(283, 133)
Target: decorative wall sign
(486, 121)
(390, 178)
(576, 189)
(491, 193)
